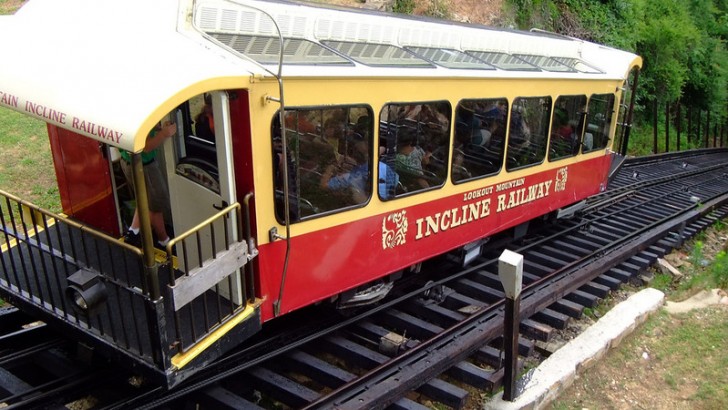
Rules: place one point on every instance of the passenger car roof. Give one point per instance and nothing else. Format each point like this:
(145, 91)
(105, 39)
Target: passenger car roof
(109, 70)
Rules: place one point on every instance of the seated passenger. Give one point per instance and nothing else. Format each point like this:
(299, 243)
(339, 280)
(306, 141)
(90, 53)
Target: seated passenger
(388, 178)
(561, 128)
(462, 139)
(410, 157)
(278, 177)
(204, 122)
(356, 180)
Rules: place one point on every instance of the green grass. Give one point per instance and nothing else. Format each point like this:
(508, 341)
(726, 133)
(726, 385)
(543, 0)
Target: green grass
(662, 281)
(687, 354)
(10, 6)
(27, 167)
(690, 347)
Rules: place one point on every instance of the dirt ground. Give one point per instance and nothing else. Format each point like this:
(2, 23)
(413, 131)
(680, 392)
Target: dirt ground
(677, 360)
(640, 375)
(487, 12)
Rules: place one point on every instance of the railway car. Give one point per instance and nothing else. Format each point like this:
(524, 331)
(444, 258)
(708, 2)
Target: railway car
(310, 155)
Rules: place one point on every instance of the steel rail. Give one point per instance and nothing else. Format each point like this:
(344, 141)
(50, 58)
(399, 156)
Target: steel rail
(432, 344)
(411, 368)
(462, 339)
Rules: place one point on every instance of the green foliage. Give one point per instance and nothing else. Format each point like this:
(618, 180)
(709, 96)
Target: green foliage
(696, 255)
(719, 270)
(439, 9)
(719, 225)
(682, 43)
(27, 166)
(662, 281)
(666, 34)
(641, 139)
(705, 274)
(435, 8)
(403, 6)
(536, 13)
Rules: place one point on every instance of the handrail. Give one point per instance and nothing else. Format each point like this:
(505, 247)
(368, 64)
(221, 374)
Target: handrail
(206, 222)
(281, 112)
(85, 228)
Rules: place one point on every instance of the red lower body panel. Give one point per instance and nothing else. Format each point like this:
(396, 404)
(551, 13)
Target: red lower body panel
(327, 262)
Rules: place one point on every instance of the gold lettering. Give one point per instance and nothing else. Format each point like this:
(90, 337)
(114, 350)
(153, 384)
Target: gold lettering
(419, 229)
(485, 209)
(433, 225)
(501, 203)
(548, 187)
(445, 221)
(474, 211)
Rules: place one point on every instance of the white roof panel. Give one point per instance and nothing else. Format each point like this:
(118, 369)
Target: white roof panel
(107, 69)
(111, 69)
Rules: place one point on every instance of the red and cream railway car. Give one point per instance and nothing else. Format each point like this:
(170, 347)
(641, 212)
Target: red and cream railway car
(319, 172)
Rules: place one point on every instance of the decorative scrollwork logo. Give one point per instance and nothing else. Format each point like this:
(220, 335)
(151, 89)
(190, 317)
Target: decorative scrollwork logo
(397, 235)
(562, 175)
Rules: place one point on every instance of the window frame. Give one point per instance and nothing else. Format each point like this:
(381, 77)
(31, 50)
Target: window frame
(295, 160)
(546, 119)
(609, 109)
(393, 144)
(576, 149)
(501, 154)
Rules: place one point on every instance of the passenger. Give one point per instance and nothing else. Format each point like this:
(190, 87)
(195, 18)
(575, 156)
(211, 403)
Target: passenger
(462, 140)
(316, 151)
(299, 122)
(204, 122)
(355, 180)
(563, 136)
(157, 193)
(278, 177)
(334, 131)
(410, 157)
(494, 120)
(363, 126)
(562, 129)
(520, 134)
(427, 116)
(388, 177)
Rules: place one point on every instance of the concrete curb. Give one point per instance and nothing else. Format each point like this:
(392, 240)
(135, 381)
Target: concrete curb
(558, 371)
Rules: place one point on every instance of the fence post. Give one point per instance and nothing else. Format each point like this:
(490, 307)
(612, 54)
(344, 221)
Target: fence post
(715, 135)
(654, 127)
(510, 272)
(667, 127)
(707, 128)
(698, 134)
(679, 121)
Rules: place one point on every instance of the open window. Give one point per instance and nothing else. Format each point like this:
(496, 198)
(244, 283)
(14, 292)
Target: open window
(196, 157)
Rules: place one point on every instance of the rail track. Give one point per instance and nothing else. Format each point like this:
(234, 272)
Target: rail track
(431, 340)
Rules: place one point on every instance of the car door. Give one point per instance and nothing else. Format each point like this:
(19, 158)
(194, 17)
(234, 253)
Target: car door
(201, 180)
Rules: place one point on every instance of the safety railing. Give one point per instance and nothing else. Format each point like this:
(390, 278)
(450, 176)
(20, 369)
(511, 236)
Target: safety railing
(69, 273)
(209, 285)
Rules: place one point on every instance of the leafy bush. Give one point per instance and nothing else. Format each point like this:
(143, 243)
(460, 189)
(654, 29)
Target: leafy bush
(719, 270)
(403, 6)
